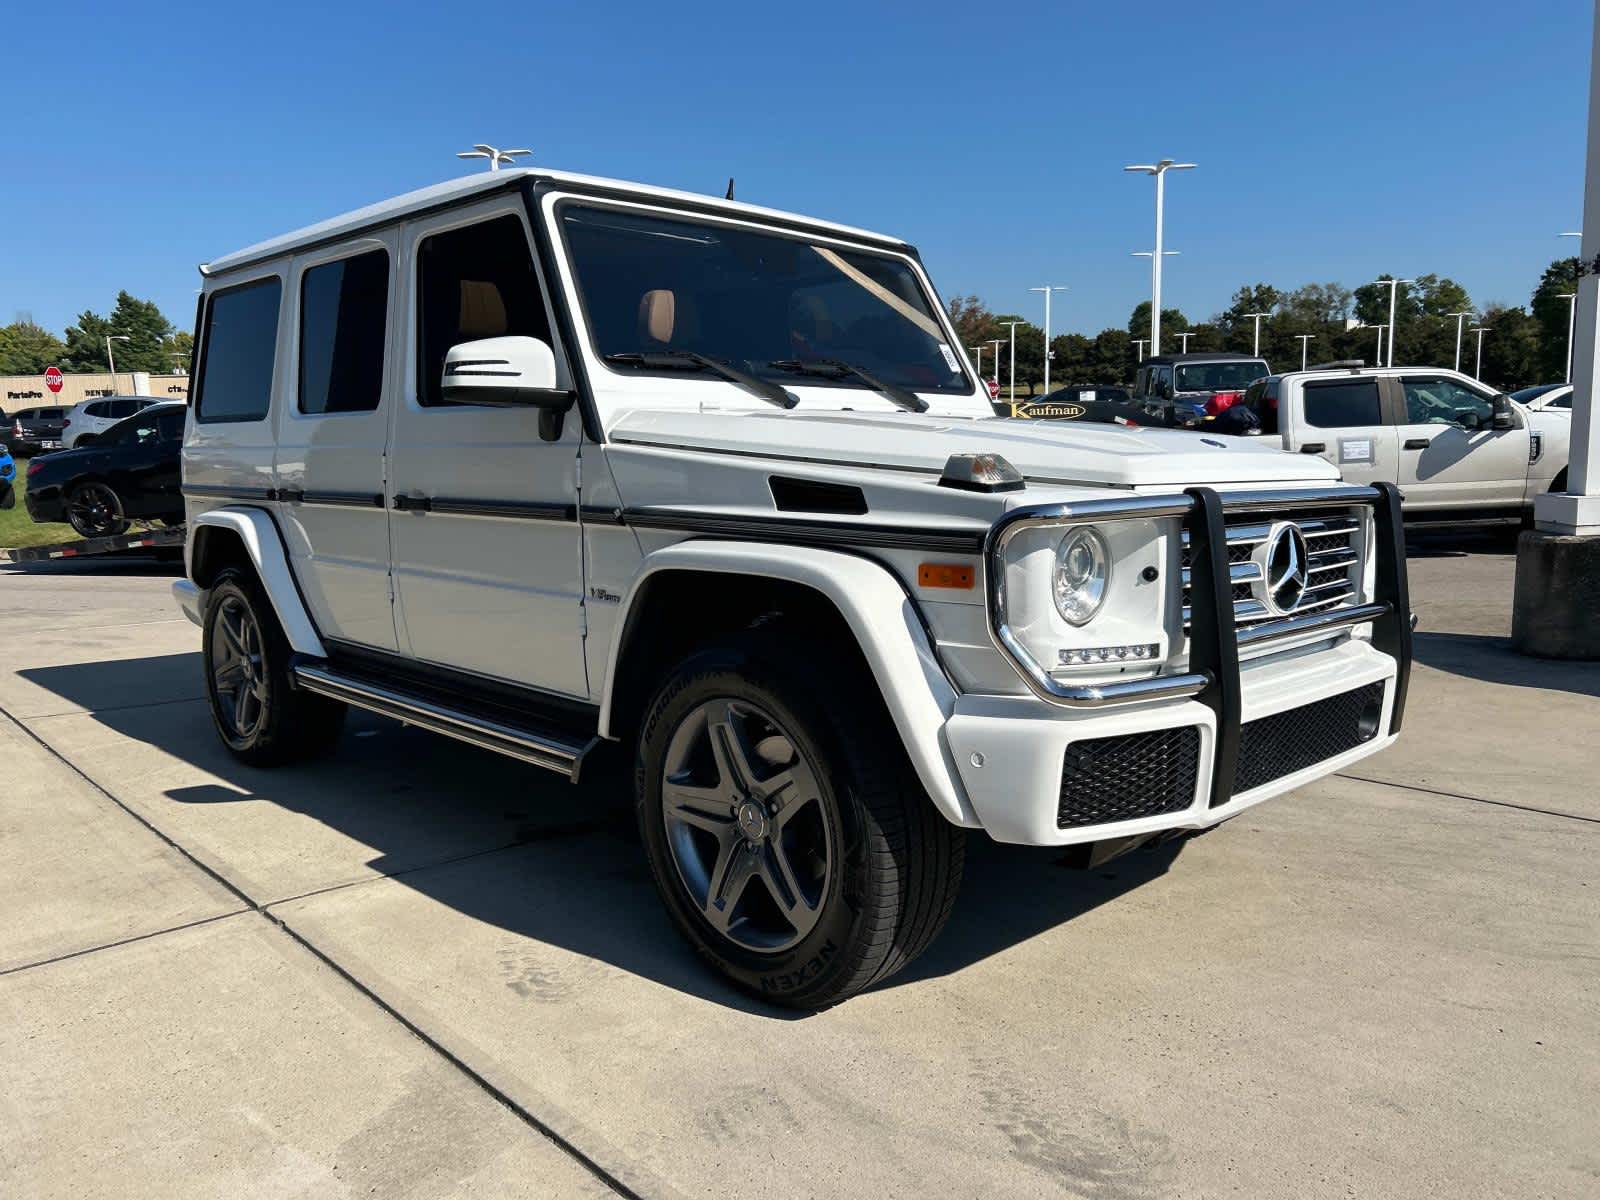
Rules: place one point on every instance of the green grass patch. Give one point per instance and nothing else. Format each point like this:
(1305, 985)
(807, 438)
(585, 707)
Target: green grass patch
(17, 529)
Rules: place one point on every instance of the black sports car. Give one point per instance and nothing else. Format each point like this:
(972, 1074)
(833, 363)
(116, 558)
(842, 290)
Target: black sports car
(129, 472)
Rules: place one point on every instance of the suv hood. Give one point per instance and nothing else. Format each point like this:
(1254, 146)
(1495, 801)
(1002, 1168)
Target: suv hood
(1044, 451)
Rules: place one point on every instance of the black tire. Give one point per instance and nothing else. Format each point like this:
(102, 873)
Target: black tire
(264, 721)
(895, 865)
(95, 510)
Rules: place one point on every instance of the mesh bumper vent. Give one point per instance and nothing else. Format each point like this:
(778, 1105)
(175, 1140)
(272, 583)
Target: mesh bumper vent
(1134, 775)
(1290, 741)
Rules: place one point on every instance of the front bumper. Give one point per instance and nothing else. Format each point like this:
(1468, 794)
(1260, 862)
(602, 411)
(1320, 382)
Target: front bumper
(1078, 763)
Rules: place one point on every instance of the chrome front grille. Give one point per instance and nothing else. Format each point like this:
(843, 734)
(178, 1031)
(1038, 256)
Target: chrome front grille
(1333, 555)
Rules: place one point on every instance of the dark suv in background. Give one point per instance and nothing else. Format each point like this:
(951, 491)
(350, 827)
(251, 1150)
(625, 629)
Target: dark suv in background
(30, 431)
(1185, 389)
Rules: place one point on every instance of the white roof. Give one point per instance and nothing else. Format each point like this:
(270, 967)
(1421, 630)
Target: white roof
(462, 189)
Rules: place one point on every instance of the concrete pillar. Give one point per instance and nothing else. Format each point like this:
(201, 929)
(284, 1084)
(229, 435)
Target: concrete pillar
(1557, 607)
(141, 383)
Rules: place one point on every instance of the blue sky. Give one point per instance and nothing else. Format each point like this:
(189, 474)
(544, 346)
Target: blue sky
(1333, 145)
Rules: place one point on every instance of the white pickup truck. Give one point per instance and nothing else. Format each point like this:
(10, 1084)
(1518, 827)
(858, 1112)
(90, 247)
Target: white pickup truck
(548, 463)
(1458, 451)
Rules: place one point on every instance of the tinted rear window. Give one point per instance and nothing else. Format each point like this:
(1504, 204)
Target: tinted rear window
(342, 310)
(236, 352)
(1343, 405)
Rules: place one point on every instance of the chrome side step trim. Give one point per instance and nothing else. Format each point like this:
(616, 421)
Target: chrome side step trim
(542, 750)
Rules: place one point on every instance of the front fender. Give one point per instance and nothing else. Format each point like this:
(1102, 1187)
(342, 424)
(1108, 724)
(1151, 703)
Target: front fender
(880, 614)
(254, 527)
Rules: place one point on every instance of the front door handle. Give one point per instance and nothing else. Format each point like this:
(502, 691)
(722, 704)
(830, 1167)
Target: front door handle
(413, 504)
(1417, 443)
(1314, 448)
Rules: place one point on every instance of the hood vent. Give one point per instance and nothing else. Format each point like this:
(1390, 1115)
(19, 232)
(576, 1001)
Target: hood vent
(815, 496)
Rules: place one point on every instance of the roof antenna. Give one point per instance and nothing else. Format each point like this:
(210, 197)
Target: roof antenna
(497, 157)
(729, 196)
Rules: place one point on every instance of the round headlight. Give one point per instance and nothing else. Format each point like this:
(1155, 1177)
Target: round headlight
(1083, 572)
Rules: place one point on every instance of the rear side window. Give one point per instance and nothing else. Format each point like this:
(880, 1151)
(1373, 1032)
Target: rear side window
(343, 310)
(1343, 405)
(171, 426)
(122, 408)
(98, 409)
(237, 347)
(476, 282)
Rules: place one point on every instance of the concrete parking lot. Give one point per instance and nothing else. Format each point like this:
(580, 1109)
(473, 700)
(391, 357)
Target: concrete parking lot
(413, 969)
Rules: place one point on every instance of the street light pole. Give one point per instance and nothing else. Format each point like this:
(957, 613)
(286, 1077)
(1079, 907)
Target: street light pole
(1141, 343)
(1394, 289)
(1480, 330)
(1255, 349)
(1185, 335)
(1013, 326)
(1377, 360)
(1460, 322)
(112, 358)
(1572, 325)
(1159, 170)
(996, 343)
(978, 350)
(1305, 341)
(1047, 289)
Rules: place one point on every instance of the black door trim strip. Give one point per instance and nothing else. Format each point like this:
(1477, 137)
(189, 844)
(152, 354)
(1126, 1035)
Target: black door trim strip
(812, 533)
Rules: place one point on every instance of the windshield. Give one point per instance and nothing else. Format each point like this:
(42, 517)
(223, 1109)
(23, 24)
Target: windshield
(764, 303)
(1220, 376)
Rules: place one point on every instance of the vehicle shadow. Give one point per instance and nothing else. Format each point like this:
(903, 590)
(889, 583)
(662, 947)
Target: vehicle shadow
(522, 849)
(1458, 542)
(1492, 660)
(134, 565)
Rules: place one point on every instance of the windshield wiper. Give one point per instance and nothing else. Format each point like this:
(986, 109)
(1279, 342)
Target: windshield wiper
(835, 368)
(691, 360)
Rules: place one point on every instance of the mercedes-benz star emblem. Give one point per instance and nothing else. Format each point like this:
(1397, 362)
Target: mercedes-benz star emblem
(1286, 568)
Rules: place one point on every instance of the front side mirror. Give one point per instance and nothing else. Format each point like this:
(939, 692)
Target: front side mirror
(1502, 414)
(508, 372)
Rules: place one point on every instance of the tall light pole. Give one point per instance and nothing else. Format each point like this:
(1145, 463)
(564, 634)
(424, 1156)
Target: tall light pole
(1377, 360)
(1141, 343)
(978, 350)
(1047, 289)
(1480, 330)
(1572, 325)
(1305, 340)
(112, 358)
(1159, 170)
(1184, 335)
(1460, 323)
(1255, 349)
(494, 154)
(1013, 326)
(1394, 288)
(997, 343)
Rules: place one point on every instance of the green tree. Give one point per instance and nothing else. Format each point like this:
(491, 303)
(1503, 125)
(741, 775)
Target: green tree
(151, 339)
(973, 321)
(27, 349)
(1511, 349)
(1550, 313)
(1172, 321)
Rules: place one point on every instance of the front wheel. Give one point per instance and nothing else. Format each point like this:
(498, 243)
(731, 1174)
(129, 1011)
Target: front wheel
(786, 833)
(95, 510)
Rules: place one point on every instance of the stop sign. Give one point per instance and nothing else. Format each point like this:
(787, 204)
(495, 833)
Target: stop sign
(52, 378)
(994, 388)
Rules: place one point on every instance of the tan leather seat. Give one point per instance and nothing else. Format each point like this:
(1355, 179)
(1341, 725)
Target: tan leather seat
(658, 315)
(483, 310)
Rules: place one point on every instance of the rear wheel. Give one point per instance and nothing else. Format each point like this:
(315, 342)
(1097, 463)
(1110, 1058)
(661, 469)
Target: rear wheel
(95, 510)
(261, 717)
(786, 833)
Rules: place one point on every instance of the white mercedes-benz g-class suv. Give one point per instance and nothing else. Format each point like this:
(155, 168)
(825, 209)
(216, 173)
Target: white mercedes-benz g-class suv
(541, 461)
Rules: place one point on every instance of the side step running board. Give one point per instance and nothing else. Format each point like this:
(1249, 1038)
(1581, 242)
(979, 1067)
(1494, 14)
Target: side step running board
(558, 752)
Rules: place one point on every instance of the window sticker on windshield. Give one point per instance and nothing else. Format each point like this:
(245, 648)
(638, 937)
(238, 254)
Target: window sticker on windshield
(949, 357)
(1355, 450)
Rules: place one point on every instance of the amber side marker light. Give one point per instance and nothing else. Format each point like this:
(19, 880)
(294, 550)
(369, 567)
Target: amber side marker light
(944, 575)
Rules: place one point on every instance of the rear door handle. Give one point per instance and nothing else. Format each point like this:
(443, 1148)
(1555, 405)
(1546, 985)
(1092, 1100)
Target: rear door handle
(1314, 448)
(1417, 443)
(413, 503)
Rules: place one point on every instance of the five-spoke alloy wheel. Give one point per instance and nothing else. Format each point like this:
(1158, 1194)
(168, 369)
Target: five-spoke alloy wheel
(748, 831)
(786, 833)
(259, 714)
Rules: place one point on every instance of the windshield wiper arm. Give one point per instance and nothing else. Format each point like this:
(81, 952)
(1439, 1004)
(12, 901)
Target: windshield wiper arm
(833, 368)
(691, 360)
